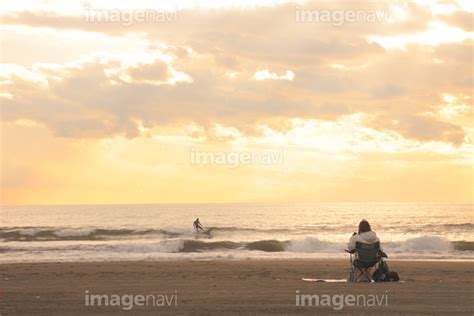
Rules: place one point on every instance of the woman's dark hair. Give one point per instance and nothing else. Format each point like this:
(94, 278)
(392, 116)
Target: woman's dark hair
(364, 226)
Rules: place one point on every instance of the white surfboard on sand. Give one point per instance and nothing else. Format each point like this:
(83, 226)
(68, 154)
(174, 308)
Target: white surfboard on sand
(335, 280)
(325, 280)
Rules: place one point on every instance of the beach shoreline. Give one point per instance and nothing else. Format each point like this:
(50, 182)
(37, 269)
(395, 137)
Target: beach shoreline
(228, 259)
(231, 286)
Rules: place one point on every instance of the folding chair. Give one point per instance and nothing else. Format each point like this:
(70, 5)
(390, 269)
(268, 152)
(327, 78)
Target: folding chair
(363, 258)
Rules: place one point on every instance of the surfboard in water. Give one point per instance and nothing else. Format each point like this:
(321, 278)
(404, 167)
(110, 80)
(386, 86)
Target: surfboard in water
(325, 280)
(208, 231)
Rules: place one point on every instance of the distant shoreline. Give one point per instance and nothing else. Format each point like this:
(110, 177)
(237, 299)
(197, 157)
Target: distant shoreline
(224, 260)
(238, 203)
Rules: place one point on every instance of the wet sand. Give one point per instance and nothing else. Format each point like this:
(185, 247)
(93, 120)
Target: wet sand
(250, 287)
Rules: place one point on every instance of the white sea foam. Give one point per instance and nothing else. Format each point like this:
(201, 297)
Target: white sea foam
(313, 245)
(71, 232)
(423, 243)
(171, 246)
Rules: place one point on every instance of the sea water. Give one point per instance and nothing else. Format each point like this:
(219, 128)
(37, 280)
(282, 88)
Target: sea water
(241, 231)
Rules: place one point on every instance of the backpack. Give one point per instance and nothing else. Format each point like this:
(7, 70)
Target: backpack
(383, 274)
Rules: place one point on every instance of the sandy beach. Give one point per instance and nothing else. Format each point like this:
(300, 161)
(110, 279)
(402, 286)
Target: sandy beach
(231, 287)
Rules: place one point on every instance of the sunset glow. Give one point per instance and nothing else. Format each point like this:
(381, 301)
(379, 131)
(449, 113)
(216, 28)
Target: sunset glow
(108, 111)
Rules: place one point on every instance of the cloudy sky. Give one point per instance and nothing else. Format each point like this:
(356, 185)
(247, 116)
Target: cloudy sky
(105, 101)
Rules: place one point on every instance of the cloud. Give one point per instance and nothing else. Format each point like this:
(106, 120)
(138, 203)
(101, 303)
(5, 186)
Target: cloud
(460, 19)
(157, 71)
(192, 72)
(267, 75)
(423, 127)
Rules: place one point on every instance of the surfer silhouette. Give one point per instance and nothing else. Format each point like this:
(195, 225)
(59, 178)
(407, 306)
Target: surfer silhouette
(197, 225)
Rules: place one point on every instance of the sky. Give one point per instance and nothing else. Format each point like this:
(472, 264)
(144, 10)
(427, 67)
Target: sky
(185, 101)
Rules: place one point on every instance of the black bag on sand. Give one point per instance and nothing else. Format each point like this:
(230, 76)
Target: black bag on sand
(393, 277)
(383, 274)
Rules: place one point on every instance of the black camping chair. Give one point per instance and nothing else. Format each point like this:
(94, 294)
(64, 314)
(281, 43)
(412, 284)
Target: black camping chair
(364, 257)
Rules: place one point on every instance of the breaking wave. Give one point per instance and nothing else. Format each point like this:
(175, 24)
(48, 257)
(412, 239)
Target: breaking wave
(423, 244)
(150, 240)
(315, 245)
(418, 244)
(53, 234)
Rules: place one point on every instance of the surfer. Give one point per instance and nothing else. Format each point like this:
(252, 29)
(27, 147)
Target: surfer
(197, 225)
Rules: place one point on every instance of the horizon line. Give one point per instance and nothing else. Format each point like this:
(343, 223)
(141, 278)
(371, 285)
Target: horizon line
(229, 203)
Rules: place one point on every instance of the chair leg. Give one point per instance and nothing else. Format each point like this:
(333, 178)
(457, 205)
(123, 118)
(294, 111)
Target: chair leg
(363, 274)
(367, 275)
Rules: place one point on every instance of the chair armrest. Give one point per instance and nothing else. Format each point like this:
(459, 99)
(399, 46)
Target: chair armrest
(350, 251)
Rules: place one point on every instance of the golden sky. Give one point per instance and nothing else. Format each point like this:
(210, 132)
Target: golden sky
(106, 101)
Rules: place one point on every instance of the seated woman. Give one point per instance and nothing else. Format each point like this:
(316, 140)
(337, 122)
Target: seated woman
(365, 235)
(378, 272)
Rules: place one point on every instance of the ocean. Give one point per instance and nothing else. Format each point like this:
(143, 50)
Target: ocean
(240, 231)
